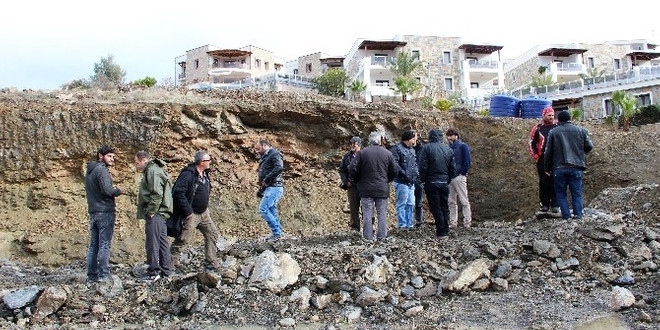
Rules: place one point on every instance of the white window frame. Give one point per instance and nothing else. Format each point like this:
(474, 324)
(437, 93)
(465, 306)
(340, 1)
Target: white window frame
(616, 64)
(451, 81)
(419, 53)
(444, 61)
(591, 62)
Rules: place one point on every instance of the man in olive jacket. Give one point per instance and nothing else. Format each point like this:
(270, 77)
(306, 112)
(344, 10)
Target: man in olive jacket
(155, 207)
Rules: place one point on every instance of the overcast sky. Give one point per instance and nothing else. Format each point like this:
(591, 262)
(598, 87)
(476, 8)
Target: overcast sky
(44, 44)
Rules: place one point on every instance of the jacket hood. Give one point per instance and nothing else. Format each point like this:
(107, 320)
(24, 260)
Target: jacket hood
(92, 165)
(159, 162)
(435, 135)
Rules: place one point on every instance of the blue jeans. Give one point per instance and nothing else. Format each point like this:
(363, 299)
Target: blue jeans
(268, 208)
(570, 177)
(405, 204)
(101, 226)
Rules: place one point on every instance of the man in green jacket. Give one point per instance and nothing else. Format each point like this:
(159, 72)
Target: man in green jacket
(155, 207)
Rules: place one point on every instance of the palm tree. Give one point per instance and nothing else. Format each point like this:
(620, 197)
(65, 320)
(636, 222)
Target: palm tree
(541, 80)
(593, 73)
(628, 104)
(357, 87)
(405, 67)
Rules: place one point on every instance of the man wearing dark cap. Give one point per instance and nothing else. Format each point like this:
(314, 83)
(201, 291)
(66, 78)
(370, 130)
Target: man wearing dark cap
(404, 182)
(566, 159)
(458, 186)
(102, 214)
(536, 146)
(355, 144)
(436, 170)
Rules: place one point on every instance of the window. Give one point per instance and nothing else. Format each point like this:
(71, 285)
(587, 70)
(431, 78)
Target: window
(419, 79)
(196, 64)
(266, 65)
(415, 54)
(617, 64)
(474, 85)
(449, 84)
(591, 62)
(382, 82)
(308, 67)
(295, 71)
(471, 59)
(611, 109)
(446, 57)
(643, 99)
(257, 63)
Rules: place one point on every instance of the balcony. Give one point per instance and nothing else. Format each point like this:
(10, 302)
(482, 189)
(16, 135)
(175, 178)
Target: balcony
(381, 61)
(231, 69)
(182, 76)
(482, 64)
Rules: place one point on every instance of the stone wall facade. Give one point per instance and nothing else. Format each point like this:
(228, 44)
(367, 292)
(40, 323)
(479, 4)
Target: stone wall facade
(262, 62)
(198, 63)
(522, 75)
(310, 65)
(431, 50)
(604, 56)
(593, 105)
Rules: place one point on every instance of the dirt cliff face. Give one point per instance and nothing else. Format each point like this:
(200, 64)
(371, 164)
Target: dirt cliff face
(47, 140)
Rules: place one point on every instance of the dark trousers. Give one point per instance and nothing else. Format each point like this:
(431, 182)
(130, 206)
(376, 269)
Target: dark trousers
(546, 186)
(101, 227)
(354, 205)
(159, 257)
(419, 209)
(437, 194)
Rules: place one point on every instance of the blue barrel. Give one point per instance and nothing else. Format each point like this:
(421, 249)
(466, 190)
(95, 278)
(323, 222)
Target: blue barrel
(504, 106)
(532, 107)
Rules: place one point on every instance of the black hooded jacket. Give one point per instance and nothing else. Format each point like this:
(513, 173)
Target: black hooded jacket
(436, 160)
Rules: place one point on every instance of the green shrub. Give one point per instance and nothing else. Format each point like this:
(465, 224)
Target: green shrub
(146, 81)
(444, 104)
(648, 114)
(427, 102)
(78, 83)
(483, 112)
(576, 114)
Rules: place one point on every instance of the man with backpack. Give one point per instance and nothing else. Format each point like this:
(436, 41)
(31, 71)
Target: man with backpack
(191, 193)
(536, 146)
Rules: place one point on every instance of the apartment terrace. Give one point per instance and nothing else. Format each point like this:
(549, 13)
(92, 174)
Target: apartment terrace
(577, 88)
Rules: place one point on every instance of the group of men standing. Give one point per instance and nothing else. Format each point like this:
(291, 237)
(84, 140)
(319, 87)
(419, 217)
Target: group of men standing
(559, 149)
(169, 209)
(413, 168)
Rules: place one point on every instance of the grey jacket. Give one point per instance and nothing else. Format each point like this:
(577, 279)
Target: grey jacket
(372, 170)
(98, 187)
(567, 146)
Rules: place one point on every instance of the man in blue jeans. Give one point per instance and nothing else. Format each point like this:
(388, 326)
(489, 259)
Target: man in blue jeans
(404, 182)
(102, 214)
(566, 159)
(271, 186)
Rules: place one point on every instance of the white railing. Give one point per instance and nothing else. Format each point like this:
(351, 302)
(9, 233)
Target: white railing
(483, 64)
(567, 67)
(274, 78)
(379, 60)
(230, 66)
(615, 79)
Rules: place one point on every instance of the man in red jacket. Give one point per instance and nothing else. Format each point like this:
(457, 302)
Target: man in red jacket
(536, 146)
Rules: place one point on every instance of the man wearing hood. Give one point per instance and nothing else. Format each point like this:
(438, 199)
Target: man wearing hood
(191, 193)
(155, 207)
(102, 214)
(436, 170)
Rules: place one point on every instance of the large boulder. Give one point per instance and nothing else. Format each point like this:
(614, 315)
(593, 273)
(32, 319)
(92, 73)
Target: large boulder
(274, 272)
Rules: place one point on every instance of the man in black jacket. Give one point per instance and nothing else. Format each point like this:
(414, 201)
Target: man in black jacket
(372, 170)
(566, 159)
(351, 189)
(102, 214)
(191, 194)
(404, 182)
(436, 170)
(271, 186)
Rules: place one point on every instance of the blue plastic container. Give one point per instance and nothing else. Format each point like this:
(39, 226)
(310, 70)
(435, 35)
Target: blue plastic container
(532, 107)
(504, 106)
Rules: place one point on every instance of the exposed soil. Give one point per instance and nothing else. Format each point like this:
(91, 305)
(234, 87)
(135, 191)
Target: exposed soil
(48, 138)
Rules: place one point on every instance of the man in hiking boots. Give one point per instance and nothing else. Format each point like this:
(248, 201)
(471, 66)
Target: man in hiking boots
(536, 145)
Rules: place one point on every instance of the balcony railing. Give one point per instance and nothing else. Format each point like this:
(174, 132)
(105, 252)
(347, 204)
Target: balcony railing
(230, 66)
(616, 79)
(379, 60)
(277, 78)
(568, 67)
(483, 64)
(182, 75)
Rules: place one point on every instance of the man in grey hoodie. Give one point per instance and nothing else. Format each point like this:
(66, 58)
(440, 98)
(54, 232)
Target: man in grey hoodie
(101, 207)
